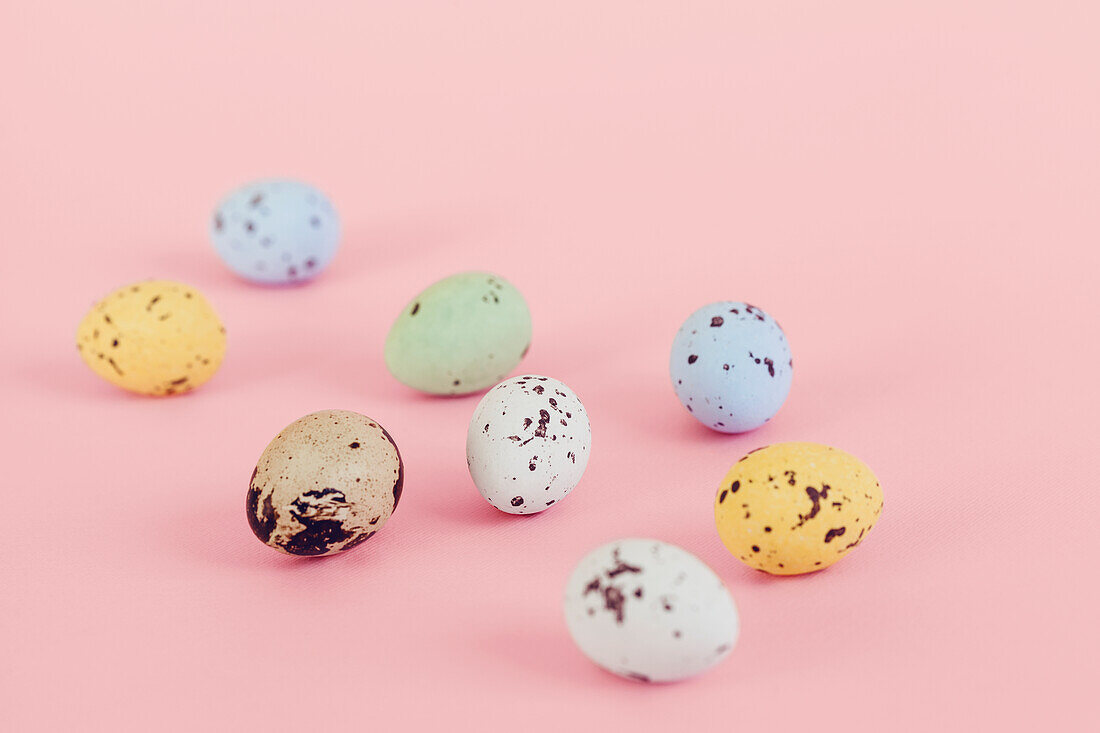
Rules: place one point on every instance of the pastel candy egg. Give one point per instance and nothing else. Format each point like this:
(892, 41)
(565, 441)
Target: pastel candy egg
(327, 483)
(528, 444)
(731, 366)
(794, 508)
(275, 231)
(156, 338)
(649, 611)
(463, 334)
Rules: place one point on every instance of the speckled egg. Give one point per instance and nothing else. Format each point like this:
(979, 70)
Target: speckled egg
(731, 366)
(276, 231)
(463, 334)
(649, 611)
(528, 444)
(794, 508)
(326, 483)
(157, 338)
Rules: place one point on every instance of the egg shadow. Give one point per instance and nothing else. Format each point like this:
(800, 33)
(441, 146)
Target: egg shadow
(401, 237)
(73, 379)
(217, 534)
(531, 647)
(663, 418)
(464, 506)
(387, 240)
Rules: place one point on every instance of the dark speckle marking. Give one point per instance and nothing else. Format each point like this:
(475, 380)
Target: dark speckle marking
(716, 321)
(262, 520)
(354, 444)
(756, 548)
(771, 367)
(544, 421)
(399, 482)
(621, 567)
(314, 510)
(613, 600)
(835, 533)
(722, 496)
(815, 497)
(636, 676)
(360, 539)
(850, 545)
(415, 310)
(517, 501)
(693, 358)
(734, 487)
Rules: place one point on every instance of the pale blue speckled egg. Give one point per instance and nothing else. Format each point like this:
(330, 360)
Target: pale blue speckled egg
(731, 366)
(276, 231)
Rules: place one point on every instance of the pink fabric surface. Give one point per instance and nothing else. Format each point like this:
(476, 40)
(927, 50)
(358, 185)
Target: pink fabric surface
(911, 191)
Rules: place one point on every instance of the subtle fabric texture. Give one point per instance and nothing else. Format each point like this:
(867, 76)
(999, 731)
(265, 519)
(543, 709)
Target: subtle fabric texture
(909, 188)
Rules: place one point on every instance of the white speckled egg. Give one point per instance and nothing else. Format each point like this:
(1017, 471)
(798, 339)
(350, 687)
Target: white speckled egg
(528, 444)
(649, 611)
(276, 231)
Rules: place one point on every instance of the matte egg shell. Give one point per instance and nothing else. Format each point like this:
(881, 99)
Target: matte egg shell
(794, 508)
(156, 337)
(528, 444)
(275, 231)
(328, 482)
(731, 366)
(649, 611)
(463, 334)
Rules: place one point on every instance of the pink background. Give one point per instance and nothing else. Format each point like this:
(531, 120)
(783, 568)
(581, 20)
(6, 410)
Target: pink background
(911, 191)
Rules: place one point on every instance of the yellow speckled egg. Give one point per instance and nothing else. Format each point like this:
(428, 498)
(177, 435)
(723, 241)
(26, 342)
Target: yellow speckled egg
(794, 508)
(157, 338)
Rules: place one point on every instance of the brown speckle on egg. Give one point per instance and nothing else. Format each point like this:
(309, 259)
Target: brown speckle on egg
(319, 504)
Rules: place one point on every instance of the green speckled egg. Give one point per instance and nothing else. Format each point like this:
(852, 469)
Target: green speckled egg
(462, 334)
